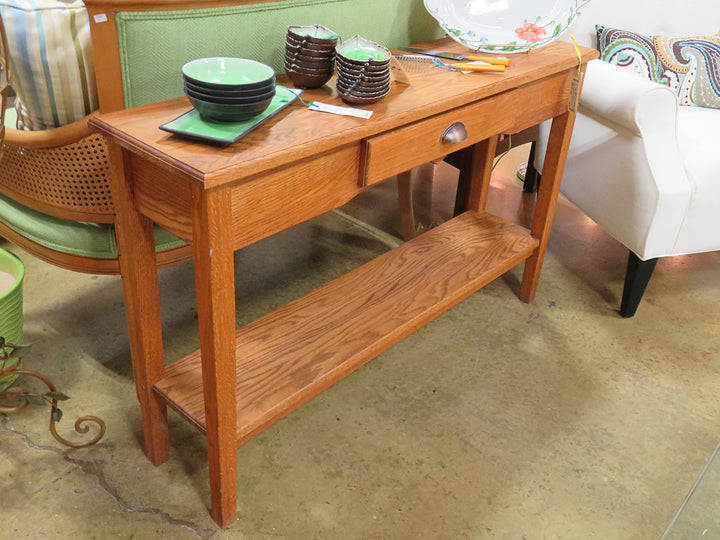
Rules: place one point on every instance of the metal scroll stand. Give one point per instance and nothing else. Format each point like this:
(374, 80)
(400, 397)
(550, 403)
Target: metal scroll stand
(17, 397)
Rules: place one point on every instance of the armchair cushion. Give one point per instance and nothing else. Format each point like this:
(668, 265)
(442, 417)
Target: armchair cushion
(94, 240)
(688, 65)
(51, 61)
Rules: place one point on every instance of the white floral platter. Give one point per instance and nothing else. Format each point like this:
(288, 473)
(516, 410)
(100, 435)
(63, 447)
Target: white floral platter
(505, 25)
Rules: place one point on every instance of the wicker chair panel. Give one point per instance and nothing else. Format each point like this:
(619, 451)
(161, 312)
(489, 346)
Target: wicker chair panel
(73, 177)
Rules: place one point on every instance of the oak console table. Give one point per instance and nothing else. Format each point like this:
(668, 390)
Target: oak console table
(294, 167)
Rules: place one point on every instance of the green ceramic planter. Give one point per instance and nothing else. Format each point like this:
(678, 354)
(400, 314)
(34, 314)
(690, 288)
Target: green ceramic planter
(11, 307)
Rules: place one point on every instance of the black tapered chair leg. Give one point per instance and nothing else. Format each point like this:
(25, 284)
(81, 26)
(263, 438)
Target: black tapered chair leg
(532, 176)
(637, 277)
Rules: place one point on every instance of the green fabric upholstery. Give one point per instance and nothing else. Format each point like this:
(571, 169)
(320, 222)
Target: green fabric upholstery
(96, 240)
(10, 118)
(155, 44)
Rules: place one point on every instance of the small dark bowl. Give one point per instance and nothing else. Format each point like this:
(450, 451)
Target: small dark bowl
(304, 80)
(222, 112)
(304, 33)
(370, 74)
(354, 100)
(305, 44)
(361, 66)
(309, 52)
(231, 100)
(359, 50)
(214, 92)
(366, 80)
(303, 62)
(362, 91)
(330, 69)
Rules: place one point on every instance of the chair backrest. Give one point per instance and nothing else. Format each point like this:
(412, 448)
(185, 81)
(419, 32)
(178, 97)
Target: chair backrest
(666, 17)
(139, 48)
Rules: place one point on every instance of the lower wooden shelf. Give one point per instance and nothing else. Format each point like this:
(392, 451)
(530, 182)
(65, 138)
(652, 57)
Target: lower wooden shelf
(294, 353)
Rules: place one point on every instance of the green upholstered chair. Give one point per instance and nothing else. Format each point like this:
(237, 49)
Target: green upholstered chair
(55, 199)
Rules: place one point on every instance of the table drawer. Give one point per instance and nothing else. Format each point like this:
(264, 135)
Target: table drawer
(406, 147)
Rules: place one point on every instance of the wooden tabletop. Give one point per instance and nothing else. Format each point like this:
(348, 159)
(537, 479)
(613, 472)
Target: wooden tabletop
(296, 133)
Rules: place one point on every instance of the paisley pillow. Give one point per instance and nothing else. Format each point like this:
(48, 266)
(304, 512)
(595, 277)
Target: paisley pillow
(688, 65)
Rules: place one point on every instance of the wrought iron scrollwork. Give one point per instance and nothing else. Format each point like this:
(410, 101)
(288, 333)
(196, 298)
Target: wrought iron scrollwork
(16, 398)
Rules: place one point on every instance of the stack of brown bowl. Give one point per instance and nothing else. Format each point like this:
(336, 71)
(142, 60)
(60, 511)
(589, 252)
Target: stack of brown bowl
(363, 71)
(310, 55)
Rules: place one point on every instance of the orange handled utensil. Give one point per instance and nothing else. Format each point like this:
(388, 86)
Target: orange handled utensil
(495, 60)
(479, 67)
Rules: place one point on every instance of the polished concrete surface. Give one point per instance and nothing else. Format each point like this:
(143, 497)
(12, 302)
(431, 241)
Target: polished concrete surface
(555, 419)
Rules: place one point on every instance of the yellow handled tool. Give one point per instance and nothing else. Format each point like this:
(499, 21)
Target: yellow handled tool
(498, 61)
(495, 60)
(478, 67)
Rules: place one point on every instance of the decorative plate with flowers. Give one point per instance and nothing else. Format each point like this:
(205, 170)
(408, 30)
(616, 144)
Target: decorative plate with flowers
(505, 25)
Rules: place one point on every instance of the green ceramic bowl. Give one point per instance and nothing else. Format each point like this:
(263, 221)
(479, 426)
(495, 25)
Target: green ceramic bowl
(228, 73)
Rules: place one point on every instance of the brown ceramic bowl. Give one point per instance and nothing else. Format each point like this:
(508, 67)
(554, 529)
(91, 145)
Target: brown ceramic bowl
(359, 66)
(315, 33)
(355, 100)
(362, 91)
(329, 69)
(312, 63)
(364, 79)
(370, 77)
(305, 80)
(360, 51)
(304, 44)
(309, 51)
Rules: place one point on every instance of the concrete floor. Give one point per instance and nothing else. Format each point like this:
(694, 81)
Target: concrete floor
(500, 419)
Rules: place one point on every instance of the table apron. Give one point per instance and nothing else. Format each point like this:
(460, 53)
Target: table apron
(262, 205)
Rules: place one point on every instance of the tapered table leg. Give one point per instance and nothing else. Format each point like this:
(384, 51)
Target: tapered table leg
(475, 174)
(548, 192)
(405, 202)
(136, 244)
(214, 279)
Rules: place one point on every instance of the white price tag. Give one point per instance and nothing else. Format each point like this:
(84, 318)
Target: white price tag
(344, 111)
(100, 18)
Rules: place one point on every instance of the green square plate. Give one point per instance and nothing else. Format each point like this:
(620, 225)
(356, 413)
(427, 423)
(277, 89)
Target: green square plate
(192, 125)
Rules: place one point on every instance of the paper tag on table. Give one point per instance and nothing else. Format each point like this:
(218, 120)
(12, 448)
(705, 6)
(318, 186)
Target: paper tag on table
(344, 111)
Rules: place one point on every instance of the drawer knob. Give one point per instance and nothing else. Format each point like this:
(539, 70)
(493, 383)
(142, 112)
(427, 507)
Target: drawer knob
(455, 133)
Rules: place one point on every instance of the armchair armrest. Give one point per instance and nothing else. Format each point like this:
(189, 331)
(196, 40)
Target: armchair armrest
(624, 167)
(50, 138)
(637, 104)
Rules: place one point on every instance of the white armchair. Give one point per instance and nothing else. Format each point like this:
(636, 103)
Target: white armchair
(642, 167)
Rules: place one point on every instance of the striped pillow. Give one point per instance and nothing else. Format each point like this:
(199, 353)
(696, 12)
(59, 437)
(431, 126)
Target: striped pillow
(51, 62)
